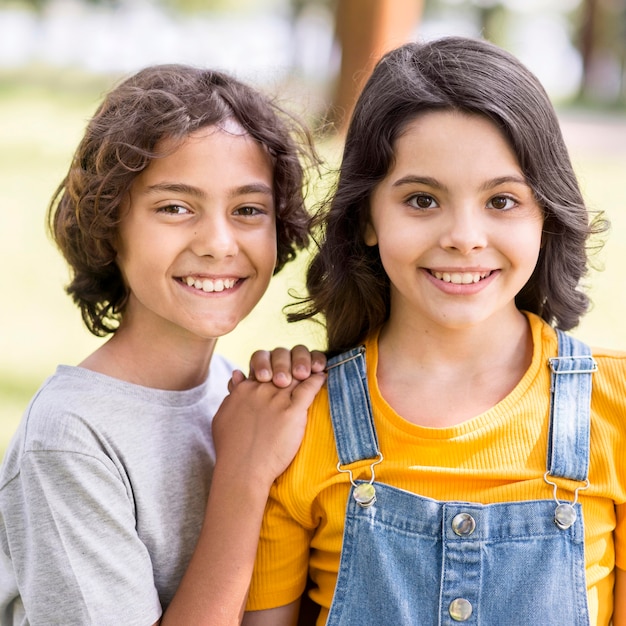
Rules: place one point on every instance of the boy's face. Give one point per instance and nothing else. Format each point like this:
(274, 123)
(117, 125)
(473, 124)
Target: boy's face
(197, 237)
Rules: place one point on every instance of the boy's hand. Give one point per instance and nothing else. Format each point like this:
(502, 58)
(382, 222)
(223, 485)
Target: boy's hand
(259, 427)
(281, 365)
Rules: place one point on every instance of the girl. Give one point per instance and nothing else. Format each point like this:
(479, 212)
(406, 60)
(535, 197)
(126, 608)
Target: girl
(183, 199)
(466, 461)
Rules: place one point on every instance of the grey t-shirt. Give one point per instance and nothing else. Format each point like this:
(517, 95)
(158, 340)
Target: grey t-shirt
(102, 496)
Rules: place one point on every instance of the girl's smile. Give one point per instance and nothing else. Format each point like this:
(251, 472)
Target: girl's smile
(457, 226)
(457, 281)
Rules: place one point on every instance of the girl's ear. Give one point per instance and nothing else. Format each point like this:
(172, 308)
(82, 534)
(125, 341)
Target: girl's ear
(369, 236)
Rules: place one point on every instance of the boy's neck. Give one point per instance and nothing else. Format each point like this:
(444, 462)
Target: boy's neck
(154, 363)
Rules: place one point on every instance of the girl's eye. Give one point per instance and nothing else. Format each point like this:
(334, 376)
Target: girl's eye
(422, 201)
(173, 209)
(501, 203)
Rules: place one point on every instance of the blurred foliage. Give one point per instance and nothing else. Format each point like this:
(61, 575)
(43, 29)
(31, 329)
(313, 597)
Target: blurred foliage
(179, 6)
(218, 6)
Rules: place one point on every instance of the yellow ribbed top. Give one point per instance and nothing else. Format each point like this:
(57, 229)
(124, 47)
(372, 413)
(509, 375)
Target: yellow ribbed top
(497, 456)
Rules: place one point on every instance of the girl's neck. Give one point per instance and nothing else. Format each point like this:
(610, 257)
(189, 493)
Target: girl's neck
(432, 345)
(440, 379)
(159, 362)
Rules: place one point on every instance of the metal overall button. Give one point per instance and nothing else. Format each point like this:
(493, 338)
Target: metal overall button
(564, 516)
(463, 524)
(363, 493)
(460, 610)
(564, 513)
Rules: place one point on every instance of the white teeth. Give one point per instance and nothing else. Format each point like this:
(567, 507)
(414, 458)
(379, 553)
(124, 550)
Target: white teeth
(460, 278)
(209, 286)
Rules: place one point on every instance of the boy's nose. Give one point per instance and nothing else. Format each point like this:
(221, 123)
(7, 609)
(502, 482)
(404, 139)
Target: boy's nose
(215, 237)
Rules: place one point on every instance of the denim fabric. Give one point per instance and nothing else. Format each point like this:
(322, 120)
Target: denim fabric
(409, 560)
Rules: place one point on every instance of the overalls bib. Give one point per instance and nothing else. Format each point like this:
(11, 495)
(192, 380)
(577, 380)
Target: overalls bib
(410, 560)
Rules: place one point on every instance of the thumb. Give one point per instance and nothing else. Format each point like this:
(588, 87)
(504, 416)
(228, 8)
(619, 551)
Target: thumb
(305, 391)
(236, 377)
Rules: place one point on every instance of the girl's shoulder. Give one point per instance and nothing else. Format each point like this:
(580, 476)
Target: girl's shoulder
(618, 357)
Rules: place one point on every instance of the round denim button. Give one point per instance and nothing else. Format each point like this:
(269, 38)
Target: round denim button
(463, 524)
(460, 609)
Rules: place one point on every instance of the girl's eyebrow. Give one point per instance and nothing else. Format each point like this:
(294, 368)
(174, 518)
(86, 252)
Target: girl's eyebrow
(191, 190)
(501, 180)
(412, 179)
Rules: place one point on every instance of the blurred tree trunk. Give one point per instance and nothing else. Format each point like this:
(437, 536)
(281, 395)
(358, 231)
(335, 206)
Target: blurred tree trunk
(602, 46)
(365, 30)
(587, 43)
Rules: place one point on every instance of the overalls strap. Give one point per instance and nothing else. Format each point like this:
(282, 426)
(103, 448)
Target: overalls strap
(568, 441)
(348, 396)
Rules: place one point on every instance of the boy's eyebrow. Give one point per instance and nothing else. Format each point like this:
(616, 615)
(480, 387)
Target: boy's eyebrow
(252, 188)
(191, 190)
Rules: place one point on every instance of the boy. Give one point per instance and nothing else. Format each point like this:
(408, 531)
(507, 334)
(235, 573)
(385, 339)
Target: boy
(183, 198)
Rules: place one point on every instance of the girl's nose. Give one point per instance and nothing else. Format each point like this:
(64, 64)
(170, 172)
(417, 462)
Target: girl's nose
(214, 237)
(464, 232)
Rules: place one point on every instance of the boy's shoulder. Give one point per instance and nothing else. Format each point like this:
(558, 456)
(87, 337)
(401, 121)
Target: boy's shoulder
(64, 405)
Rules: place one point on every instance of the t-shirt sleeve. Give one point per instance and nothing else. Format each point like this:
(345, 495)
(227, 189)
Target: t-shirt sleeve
(77, 557)
(281, 567)
(620, 537)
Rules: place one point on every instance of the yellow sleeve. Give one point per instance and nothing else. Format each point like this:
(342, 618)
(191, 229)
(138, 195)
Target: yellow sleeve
(620, 537)
(303, 523)
(608, 440)
(280, 570)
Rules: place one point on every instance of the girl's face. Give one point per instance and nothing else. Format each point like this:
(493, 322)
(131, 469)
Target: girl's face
(458, 228)
(197, 238)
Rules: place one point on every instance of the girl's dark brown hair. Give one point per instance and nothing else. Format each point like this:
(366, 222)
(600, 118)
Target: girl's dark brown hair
(159, 102)
(346, 281)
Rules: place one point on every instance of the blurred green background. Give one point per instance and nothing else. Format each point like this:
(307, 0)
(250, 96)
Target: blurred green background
(52, 84)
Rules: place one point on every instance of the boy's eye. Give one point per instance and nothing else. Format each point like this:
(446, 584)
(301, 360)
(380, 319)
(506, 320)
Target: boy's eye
(173, 209)
(247, 211)
(501, 203)
(422, 201)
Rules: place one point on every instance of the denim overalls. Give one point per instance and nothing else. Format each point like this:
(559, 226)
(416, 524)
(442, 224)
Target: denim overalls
(409, 560)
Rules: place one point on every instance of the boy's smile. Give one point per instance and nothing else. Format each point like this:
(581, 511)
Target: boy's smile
(197, 238)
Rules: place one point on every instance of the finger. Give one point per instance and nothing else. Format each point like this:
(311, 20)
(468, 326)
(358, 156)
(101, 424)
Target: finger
(305, 362)
(236, 377)
(261, 366)
(301, 362)
(303, 394)
(318, 361)
(281, 367)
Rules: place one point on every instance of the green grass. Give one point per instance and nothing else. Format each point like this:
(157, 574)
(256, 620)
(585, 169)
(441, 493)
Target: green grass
(42, 117)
